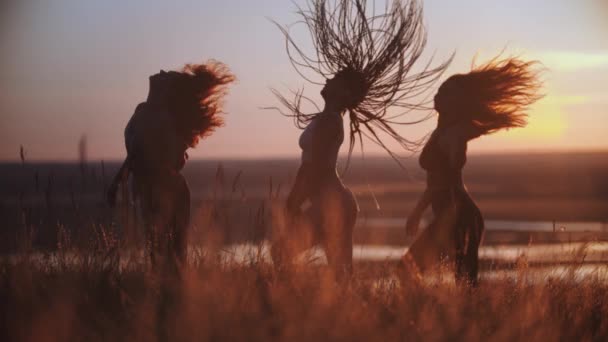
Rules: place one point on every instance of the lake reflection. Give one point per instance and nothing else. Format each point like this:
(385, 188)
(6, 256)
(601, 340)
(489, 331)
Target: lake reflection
(528, 226)
(571, 252)
(530, 264)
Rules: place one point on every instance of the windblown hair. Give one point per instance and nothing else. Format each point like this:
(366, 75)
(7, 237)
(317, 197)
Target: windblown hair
(196, 99)
(497, 95)
(375, 53)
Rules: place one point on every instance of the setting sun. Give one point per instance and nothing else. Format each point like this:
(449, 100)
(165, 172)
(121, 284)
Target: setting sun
(547, 119)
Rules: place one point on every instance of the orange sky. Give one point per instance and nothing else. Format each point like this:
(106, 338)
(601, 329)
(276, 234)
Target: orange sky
(72, 68)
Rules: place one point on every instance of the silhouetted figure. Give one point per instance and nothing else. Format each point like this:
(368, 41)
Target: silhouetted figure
(492, 97)
(366, 60)
(181, 108)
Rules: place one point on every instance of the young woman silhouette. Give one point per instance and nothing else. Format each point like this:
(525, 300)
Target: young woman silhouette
(366, 58)
(490, 98)
(181, 108)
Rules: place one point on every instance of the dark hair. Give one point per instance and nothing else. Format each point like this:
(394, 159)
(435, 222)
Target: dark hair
(196, 99)
(356, 84)
(497, 94)
(378, 50)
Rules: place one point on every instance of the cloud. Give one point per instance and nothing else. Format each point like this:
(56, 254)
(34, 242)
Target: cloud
(566, 99)
(572, 61)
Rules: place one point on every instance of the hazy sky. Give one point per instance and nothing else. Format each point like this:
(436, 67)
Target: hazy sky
(71, 68)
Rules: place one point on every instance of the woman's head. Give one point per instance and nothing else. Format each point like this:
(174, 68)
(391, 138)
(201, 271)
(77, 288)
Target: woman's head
(493, 96)
(367, 58)
(195, 99)
(346, 90)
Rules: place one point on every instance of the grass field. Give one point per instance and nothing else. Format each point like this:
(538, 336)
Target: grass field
(68, 273)
(98, 299)
(547, 187)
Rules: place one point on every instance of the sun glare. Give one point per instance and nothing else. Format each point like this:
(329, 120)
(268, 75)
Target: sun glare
(548, 119)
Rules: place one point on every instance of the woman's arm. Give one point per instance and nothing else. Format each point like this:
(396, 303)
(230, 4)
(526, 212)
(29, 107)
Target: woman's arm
(119, 178)
(413, 220)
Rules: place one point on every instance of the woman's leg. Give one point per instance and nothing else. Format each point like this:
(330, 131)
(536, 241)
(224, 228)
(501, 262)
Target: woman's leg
(165, 205)
(471, 228)
(472, 258)
(294, 235)
(149, 207)
(339, 216)
(436, 241)
(301, 234)
(182, 219)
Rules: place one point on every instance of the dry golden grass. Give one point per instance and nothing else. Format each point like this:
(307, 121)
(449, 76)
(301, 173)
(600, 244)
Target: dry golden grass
(94, 296)
(88, 290)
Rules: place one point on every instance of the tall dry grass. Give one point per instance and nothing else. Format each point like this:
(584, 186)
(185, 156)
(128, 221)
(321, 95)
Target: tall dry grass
(97, 289)
(100, 296)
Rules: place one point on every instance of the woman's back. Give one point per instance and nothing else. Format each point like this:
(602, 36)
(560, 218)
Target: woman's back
(151, 140)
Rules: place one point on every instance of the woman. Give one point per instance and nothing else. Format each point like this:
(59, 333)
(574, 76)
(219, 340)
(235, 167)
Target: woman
(366, 59)
(492, 97)
(182, 107)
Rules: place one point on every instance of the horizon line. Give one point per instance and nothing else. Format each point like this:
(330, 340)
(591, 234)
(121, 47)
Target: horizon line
(341, 156)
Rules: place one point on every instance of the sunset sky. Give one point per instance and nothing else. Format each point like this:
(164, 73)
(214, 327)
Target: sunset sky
(72, 68)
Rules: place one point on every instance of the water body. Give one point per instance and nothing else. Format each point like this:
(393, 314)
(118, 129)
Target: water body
(524, 263)
(528, 226)
(535, 263)
(542, 253)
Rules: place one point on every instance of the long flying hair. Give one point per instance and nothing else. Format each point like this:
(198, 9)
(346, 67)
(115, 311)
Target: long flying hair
(498, 94)
(196, 99)
(376, 52)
